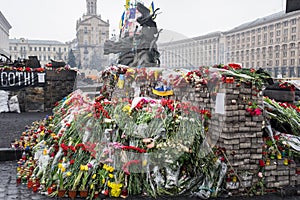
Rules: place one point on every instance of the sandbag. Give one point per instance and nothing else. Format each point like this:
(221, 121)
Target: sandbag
(4, 101)
(13, 104)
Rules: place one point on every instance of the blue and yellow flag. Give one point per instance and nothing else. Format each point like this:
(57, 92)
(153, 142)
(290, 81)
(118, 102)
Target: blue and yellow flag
(122, 20)
(151, 8)
(161, 91)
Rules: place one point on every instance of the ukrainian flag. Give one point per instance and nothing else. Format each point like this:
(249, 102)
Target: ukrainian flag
(122, 20)
(162, 92)
(151, 8)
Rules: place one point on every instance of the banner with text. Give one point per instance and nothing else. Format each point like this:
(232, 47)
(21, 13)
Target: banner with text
(19, 79)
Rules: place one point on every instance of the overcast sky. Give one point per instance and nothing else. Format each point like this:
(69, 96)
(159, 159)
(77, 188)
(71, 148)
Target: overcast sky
(56, 19)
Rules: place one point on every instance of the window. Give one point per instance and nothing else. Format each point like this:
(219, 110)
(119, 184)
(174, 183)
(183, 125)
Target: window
(258, 30)
(270, 62)
(293, 37)
(40, 49)
(292, 61)
(286, 23)
(271, 34)
(293, 21)
(292, 45)
(284, 46)
(15, 48)
(270, 55)
(10, 48)
(271, 41)
(85, 30)
(278, 33)
(49, 50)
(277, 55)
(54, 49)
(35, 48)
(284, 54)
(30, 48)
(278, 40)
(45, 50)
(264, 28)
(294, 30)
(277, 25)
(277, 62)
(285, 31)
(284, 62)
(293, 53)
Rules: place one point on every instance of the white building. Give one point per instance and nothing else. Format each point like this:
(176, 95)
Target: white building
(4, 35)
(45, 50)
(271, 42)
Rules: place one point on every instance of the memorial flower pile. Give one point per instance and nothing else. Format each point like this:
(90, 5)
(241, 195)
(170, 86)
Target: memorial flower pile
(286, 116)
(155, 146)
(117, 148)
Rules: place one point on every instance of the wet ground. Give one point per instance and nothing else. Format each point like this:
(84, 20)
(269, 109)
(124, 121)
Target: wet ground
(11, 127)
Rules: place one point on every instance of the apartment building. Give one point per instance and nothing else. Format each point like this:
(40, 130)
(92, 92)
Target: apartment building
(194, 52)
(45, 50)
(271, 42)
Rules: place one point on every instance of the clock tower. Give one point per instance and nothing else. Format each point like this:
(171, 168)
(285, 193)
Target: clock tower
(91, 7)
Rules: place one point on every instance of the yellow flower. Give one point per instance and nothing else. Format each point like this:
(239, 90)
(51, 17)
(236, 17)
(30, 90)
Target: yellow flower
(103, 181)
(60, 165)
(105, 166)
(91, 186)
(45, 152)
(144, 163)
(84, 168)
(115, 192)
(127, 109)
(111, 169)
(115, 189)
(94, 176)
(63, 169)
(69, 174)
(110, 175)
(42, 133)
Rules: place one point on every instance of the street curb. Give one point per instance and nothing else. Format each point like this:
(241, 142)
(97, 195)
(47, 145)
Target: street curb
(9, 154)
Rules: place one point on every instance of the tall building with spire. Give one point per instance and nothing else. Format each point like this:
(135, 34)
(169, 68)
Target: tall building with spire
(91, 33)
(91, 7)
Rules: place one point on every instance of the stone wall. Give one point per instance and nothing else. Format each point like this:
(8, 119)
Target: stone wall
(40, 99)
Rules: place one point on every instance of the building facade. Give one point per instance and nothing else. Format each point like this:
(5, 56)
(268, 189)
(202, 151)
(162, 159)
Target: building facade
(91, 33)
(271, 43)
(45, 50)
(4, 35)
(191, 53)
